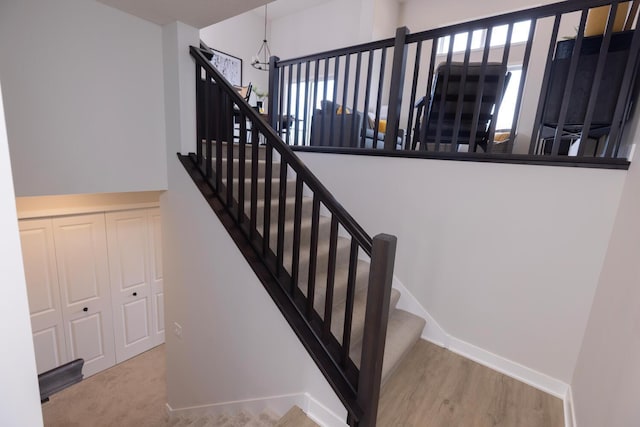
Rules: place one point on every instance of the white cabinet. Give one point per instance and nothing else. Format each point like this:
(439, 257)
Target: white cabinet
(131, 297)
(44, 298)
(155, 268)
(83, 275)
(95, 287)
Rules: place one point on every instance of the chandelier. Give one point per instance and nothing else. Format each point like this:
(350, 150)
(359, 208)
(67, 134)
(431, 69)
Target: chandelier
(260, 60)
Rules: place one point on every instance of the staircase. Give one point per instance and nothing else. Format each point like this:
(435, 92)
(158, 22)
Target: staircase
(329, 278)
(403, 329)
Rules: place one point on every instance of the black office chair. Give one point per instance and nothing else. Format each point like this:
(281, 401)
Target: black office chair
(582, 83)
(438, 123)
(245, 92)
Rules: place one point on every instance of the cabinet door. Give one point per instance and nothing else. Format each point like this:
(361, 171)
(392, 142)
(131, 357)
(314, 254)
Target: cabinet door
(38, 254)
(157, 289)
(130, 282)
(81, 258)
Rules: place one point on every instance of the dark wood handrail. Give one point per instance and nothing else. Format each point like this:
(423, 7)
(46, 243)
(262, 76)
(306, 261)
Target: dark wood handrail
(325, 196)
(507, 18)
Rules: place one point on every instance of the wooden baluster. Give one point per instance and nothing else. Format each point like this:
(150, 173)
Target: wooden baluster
(331, 273)
(351, 295)
(297, 224)
(282, 203)
(313, 256)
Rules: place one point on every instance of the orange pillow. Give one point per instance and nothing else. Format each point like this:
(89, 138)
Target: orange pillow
(382, 126)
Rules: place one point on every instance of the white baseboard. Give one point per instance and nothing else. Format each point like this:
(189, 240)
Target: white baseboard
(510, 368)
(569, 410)
(279, 405)
(321, 414)
(434, 333)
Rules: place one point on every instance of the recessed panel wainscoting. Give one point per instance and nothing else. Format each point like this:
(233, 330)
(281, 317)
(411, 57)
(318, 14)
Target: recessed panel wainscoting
(94, 283)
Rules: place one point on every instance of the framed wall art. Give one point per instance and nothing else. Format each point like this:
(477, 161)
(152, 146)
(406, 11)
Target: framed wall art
(229, 66)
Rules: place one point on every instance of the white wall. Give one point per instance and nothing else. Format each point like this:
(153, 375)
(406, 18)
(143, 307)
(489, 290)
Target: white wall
(84, 98)
(606, 382)
(420, 15)
(329, 25)
(19, 392)
(179, 87)
(504, 257)
(241, 36)
(386, 18)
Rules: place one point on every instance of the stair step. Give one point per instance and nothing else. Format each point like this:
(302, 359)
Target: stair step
(275, 186)
(262, 168)
(343, 247)
(324, 226)
(359, 312)
(289, 211)
(403, 331)
(295, 417)
(262, 150)
(339, 285)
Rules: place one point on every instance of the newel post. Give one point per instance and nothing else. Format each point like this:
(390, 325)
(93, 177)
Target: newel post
(396, 87)
(272, 99)
(375, 328)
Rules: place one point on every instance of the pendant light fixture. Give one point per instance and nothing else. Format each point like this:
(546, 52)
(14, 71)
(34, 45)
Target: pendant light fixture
(260, 60)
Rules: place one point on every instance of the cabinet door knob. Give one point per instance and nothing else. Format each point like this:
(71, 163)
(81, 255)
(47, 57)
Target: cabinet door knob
(135, 294)
(85, 309)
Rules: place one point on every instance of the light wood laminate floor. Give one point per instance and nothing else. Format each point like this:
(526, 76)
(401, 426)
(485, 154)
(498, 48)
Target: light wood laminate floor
(434, 387)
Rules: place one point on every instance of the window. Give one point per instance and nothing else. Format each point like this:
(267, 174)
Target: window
(508, 106)
(498, 38)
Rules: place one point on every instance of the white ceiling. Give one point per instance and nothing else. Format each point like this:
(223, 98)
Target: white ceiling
(280, 8)
(197, 13)
(202, 13)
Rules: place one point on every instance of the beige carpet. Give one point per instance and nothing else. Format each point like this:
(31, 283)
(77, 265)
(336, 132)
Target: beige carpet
(133, 393)
(241, 419)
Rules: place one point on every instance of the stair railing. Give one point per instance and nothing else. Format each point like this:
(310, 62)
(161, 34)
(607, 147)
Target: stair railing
(586, 89)
(235, 144)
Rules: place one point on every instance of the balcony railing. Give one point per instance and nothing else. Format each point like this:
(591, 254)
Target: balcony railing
(458, 91)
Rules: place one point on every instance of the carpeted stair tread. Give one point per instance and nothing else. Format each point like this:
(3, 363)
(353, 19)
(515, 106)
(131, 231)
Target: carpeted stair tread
(324, 225)
(403, 331)
(339, 285)
(289, 211)
(343, 246)
(239, 419)
(261, 164)
(275, 186)
(296, 417)
(359, 312)
(236, 150)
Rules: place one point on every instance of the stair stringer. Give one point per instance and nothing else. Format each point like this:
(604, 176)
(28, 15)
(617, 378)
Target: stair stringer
(227, 319)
